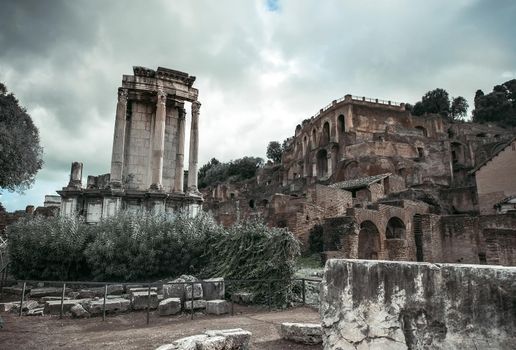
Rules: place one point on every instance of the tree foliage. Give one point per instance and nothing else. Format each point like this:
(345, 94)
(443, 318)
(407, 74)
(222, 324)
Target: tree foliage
(20, 152)
(215, 172)
(274, 151)
(437, 101)
(498, 106)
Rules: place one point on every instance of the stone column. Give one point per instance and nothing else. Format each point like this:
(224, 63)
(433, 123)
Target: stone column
(158, 141)
(75, 175)
(194, 148)
(178, 184)
(117, 157)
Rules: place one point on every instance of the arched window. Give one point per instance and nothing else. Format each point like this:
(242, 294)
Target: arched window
(314, 138)
(341, 124)
(395, 229)
(252, 204)
(326, 133)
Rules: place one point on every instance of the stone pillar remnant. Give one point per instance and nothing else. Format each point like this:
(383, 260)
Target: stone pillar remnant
(158, 143)
(117, 158)
(178, 184)
(75, 175)
(194, 148)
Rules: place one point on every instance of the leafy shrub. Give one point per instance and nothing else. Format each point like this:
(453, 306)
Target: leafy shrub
(49, 248)
(251, 251)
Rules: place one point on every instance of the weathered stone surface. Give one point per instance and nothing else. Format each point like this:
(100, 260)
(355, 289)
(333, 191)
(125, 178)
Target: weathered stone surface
(47, 292)
(14, 290)
(95, 307)
(181, 288)
(217, 307)
(225, 339)
(242, 298)
(306, 333)
(39, 311)
(197, 304)
(236, 338)
(213, 288)
(142, 289)
(78, 311)
(45, 299)
(174, 291)
(400, 305)
(6, 307)
(170, 306)
(99, 291)
(53, 307)
(140, 300)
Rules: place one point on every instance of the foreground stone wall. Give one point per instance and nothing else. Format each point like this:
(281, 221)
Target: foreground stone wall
(398, 305)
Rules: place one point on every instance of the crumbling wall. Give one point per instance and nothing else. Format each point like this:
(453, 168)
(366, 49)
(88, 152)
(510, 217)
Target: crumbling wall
(398, 305)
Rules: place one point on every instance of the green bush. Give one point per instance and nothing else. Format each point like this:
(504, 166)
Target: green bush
(141, 246)
(49, 248)
(253, 251)
(145, 247)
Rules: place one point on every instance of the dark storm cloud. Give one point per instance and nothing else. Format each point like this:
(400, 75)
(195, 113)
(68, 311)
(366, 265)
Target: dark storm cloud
(262, 66)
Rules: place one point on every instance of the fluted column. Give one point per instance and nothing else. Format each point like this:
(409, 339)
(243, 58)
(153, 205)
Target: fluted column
(158, 142)
(178, 183)
(117, 157)
(194, 148)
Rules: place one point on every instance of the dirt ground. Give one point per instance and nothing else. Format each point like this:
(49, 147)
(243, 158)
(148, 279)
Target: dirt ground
(129, 331)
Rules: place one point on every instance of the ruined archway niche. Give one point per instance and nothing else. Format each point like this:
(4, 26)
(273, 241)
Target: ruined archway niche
(341, 123)
(326, 133)
(314, 138)
(418, 236)
(368, 241)
(395, 228)
(322, 163)
(422, 130)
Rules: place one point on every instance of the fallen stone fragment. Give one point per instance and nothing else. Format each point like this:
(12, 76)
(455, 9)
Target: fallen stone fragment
(305, 333)
(197, 304)
(217, 307)
(213, 289)
(170, 306)
(99, 291)
(213, 343)
(236, 338)
(53, 307)
(95, 307)
(78, 311)
(50, 298)
(244, 298)
(36, 312)
(140, 300)
(47, 292)
(6, 307)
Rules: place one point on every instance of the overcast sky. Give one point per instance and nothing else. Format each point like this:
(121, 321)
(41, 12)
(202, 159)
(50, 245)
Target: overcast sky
(261, 66)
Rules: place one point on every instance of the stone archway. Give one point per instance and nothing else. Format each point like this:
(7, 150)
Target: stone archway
(368, 241)
(418, 237)
(395, 229)
(322, 163)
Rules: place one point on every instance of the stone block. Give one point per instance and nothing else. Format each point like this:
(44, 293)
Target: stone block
(47, 292)
(236, 338)
(213, 343)
(170, 306)
(197, 304)
(403, 305)
(197, 291)
(140, 300)
(6, 307)
(244, 298)
(213, 289)
(174, 291)
(45, 299)
(78, 311)
(142, 289)
(14, 290)
(53, 307)
(39, 311)
(217, 307)
(95, 307)
(306, 333)
(99, 291)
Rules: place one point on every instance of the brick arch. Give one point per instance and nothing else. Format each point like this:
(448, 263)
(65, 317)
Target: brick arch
(369, 241)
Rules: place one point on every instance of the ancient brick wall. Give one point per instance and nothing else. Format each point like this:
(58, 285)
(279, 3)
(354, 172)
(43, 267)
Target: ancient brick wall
(334, 201)
(496, 180)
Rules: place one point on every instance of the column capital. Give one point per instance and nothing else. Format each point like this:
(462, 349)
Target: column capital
(122, 95)
(196, 106)
(181, 113)
(162, 96)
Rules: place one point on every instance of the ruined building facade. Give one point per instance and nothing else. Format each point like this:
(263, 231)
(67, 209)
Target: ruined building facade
(366, 179)
(147, 163)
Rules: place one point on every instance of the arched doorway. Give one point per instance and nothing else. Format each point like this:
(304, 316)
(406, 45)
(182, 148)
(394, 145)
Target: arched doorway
(395, 228)
(418, 236)
(322, 163)
(326, 134)
(368, 241)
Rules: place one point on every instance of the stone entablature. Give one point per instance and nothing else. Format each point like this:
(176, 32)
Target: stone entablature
(147, 163)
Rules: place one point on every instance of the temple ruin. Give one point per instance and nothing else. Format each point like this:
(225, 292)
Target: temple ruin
(147, 163)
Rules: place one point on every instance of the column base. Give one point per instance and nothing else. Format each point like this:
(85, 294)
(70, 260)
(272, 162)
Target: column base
(193, 191)
(115, 184)
(156, 187)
